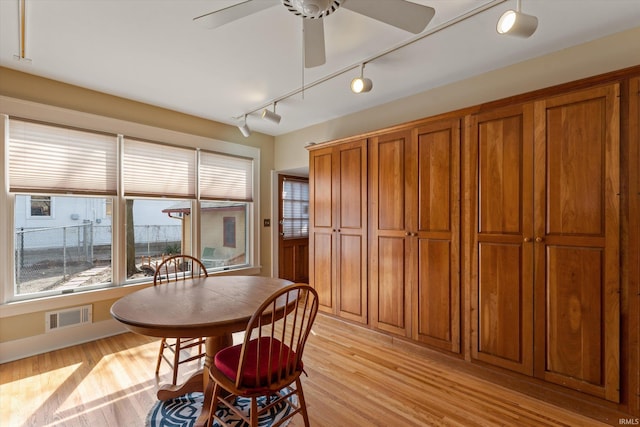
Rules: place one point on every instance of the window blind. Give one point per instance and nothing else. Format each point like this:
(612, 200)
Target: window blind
(295, 209)
(54, 159)
(152, 169)
(225, 177)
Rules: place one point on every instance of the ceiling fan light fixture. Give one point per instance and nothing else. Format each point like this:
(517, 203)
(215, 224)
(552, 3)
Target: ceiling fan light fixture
(361, 84)
(516, 23)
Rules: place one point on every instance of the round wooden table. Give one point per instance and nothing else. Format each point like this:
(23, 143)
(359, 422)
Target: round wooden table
(213, 307)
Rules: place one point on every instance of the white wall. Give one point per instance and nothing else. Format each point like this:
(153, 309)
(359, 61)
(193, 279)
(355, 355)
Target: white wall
(610, 53)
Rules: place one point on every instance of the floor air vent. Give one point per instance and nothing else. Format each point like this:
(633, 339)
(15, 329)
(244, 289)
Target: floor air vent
(67, 317)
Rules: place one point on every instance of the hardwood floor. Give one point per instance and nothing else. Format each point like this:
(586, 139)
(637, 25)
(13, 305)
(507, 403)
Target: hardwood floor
(355, 379)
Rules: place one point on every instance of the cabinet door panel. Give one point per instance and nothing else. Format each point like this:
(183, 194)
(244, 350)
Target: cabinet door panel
(434, 293)
(390, 184)
(389, 286)
(577, 228)
(434, 218)
(322, 267)
(500, 158)
(351, 230)
(502, 260)
(322, 187)
(574, 313)
(501, 297)
(389, 238)
(351, 182)
(352, 303)
(575, 149)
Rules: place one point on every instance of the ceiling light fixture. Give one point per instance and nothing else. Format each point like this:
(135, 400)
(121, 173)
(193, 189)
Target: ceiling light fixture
(467, 15)
(271, 116)
(244, 128)
(361, 84)
(516, 23)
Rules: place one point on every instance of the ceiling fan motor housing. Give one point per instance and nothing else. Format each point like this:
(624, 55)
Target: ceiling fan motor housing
(312, 9)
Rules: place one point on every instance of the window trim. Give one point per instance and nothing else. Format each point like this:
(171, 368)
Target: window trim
(65, 117)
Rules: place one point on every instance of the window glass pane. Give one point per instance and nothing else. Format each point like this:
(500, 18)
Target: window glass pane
(295, 209)
(65, 249)
(224, 234)
(154, 229)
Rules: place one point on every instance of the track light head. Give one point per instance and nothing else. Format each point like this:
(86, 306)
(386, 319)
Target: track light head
(516, 23)
(361, 84)
(244, 128)
(271, 116)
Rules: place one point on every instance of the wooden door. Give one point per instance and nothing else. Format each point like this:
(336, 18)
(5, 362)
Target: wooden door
(433, 197)
(350, 203)
(293, 227)
(390, 236)
(502, 260)
(322, 245)
(577, 241)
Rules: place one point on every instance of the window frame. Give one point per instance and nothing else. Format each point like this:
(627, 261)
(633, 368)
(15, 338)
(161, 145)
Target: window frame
(65, 117)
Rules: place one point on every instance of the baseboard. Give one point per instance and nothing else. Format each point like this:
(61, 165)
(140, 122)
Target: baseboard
(31, 346)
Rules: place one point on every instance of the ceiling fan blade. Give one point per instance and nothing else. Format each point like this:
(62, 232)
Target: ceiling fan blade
(221, 17)
(402, 14)
(313, 35)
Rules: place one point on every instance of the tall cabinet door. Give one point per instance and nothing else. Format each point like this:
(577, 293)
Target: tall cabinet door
(433, 195)
(389, 284)
(577, 270)
(322, 245)
(501, 145)
(350, 228)
(338, 228)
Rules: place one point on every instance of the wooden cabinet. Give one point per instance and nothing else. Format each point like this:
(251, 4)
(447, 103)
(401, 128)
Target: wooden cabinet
(338, 228)
(501, 146)
(545, 271)
(577, 237)
(414, 241)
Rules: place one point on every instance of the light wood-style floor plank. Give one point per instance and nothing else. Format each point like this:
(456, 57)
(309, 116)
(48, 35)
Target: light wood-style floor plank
(354, 380)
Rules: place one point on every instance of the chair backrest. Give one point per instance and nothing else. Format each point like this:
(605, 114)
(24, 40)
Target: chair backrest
(178, 267)
(278, 331)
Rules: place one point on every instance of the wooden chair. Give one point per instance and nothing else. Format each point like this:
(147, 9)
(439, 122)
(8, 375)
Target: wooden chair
(172, 269)
(269, 361)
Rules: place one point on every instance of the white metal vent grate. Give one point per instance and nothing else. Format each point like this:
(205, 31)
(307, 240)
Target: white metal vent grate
(68, 317)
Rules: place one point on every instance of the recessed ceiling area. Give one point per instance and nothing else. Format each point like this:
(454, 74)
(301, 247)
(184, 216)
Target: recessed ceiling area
(152, 51)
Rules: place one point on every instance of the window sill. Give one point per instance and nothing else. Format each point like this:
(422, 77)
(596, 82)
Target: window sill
(67, 300)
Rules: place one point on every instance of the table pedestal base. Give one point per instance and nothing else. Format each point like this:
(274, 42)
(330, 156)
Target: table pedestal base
(199, 381)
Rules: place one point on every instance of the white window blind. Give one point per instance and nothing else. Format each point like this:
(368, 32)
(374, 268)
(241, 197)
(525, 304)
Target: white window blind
(152, 169)
(295, 209)
(53, 159)
(225, 177)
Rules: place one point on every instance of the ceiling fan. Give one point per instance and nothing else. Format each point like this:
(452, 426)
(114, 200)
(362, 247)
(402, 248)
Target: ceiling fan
(402, 14)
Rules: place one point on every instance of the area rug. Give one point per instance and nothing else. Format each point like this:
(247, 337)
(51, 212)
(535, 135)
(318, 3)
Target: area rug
(184, 410)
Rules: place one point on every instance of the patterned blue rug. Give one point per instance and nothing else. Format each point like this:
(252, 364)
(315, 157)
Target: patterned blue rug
(184, 410)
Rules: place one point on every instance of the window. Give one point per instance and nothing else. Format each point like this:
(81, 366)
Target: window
(73, 253)
(67, 207)
(224, 234)
(295, 208)
(154, 229)
(40, 206)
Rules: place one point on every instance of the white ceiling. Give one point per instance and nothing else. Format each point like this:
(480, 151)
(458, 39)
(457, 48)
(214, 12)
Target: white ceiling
(151, 51)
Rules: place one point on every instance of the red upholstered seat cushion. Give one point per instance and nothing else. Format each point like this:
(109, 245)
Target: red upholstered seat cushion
(227, 360)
